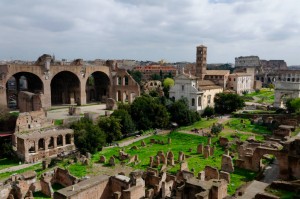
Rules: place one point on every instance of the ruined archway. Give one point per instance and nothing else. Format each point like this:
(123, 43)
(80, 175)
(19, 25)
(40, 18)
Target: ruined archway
(41, 144)
(280, 156)
(65, 88)
(97, 87)
(51, 143)
(22, 81)
(59, 140)
(283, 99)
(68, 139)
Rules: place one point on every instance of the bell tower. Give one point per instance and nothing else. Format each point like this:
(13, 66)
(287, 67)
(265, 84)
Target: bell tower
(201, 61)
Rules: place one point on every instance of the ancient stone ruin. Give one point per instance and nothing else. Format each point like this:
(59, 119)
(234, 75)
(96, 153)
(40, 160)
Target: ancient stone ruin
(36, 138)
(250, 155)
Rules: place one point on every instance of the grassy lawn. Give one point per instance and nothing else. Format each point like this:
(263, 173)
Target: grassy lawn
(246, 126)
(37, 168)
(265, 95)
(180, 142)
(203, 123)
(6, 163)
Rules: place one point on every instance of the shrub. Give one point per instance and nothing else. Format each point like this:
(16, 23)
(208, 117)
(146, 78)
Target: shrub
(208, 111)
(216, 128)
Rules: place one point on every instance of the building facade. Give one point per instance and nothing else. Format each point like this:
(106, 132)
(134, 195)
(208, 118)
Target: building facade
(150, 70)
(199, 93)
(240, 82)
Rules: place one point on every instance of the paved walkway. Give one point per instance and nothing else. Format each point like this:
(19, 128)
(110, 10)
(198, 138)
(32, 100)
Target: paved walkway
(271, 172)
(254, 188)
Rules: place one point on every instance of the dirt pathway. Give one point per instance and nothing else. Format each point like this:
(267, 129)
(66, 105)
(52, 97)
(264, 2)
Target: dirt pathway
(18, 167)
(254, 188)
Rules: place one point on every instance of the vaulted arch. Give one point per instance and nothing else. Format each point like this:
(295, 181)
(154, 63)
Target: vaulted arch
(65, 88)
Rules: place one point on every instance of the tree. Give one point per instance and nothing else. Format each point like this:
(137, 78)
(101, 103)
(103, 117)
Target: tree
(208, 111)
(293, 105)
(127, 125)
(155, 77)
(271, 86)
(167, 83)
(88, 137)
(111, 127)
(181, 114)
(136, 75)
(147, 113)
(228, 103)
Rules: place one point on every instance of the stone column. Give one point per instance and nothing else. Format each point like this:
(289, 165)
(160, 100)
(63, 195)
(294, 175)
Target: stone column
(82, 92)
(64, 140)
(36, 145)
(46, 143)
(46, 99)
(3, 97)
(54, 142)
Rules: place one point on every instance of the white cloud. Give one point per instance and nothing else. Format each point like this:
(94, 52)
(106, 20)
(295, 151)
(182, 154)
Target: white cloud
(150, 30)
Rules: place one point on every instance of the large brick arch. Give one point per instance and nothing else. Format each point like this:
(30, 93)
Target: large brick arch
(65, 88)
(34, 84)
(97, 87)
(281, 156)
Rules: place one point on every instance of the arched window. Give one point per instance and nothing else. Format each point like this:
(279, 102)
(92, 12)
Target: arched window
(59, 140)
(193, 102)
(119, 80)
(209, 99)
(51, 143)
(199, 101)
(41, 144)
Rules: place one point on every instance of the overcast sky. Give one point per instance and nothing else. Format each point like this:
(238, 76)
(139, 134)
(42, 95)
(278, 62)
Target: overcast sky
(150, 29)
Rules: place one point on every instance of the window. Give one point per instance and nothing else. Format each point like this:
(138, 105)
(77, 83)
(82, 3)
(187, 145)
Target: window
(193, 102)
(126, 80)
(182, 87)
(119, 80)
(208, 99)
(199, 101)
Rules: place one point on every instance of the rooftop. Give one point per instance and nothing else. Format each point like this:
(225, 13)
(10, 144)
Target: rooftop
(83, 185)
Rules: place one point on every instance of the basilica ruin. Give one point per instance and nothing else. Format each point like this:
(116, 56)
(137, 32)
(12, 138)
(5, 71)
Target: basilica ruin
(48, 82)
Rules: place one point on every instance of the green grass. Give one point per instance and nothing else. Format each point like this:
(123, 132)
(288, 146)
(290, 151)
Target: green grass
(246, 126)
(281, 193)
(179, 142)
(37, 168)
(6, 163)
(265, 95)
(239, 177)
(203, 123)
(58, 122)
(78, 170)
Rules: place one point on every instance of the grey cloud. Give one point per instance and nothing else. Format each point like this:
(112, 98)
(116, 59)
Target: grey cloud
(143, 29)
